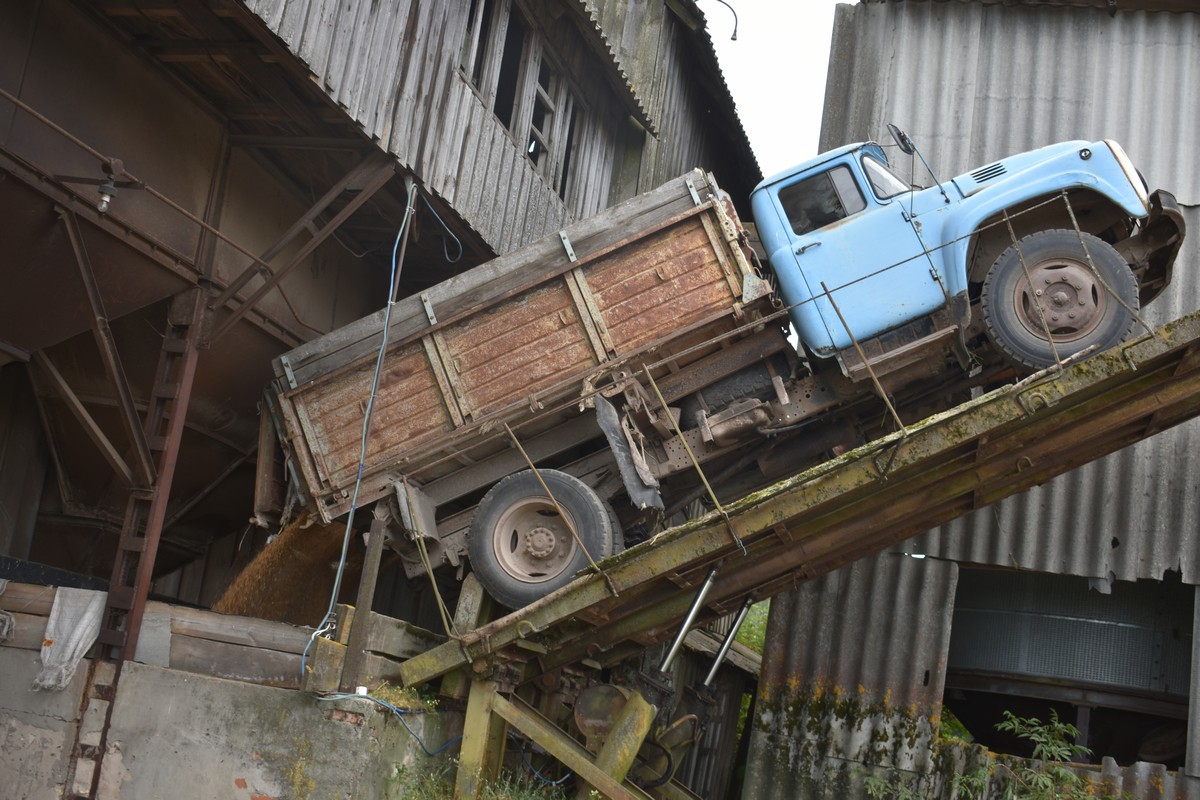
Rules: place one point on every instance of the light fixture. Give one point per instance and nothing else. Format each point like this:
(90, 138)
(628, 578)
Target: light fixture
(108, 190)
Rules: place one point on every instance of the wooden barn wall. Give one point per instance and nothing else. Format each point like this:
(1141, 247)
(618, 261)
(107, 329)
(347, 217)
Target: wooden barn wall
(673, 72)
(394, 68)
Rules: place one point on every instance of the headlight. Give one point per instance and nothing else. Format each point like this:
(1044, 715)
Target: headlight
(1130, 172)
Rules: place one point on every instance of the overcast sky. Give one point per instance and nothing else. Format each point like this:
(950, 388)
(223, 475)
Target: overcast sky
(776, 72)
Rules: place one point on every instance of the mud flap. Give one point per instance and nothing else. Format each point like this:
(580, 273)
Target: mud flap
(641, 493)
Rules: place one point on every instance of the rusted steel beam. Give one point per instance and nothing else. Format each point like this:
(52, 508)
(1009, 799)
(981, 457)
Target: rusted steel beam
(76, 407)
(185, 318)
(109, 355)
(1005, 442)
(379, 177)
(366, 167)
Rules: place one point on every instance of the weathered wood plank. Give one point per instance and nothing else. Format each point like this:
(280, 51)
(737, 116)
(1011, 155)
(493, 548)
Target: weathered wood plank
(28, 598)
(236, 662)
(29, 631)
(245, 631)
(479, 287)
(399, 639)
(323, 669)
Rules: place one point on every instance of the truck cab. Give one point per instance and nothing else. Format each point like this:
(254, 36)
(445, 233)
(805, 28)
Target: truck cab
(859, 252)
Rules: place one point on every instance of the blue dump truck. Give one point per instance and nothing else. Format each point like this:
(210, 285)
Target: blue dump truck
(551, 406)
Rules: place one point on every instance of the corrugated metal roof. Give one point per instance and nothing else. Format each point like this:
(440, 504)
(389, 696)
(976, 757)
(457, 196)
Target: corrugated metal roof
(972, 83)
(1110, 6)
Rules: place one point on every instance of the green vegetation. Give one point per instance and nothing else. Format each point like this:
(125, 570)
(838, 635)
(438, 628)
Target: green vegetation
(753, 632)
(436, 782)
(1047, 776)
(404, 698)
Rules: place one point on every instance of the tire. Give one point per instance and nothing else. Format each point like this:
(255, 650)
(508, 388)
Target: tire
(1078, 310)
(519, 547)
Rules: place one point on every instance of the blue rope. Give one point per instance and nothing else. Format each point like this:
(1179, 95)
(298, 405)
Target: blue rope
(399, 713)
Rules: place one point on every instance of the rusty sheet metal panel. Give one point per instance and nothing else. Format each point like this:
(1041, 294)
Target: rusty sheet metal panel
(521, 334)
(410, 407)
(661, 285)
(517, 349)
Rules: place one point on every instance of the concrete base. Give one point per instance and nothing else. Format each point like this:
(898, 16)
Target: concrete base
(177, 734)
(37, 729)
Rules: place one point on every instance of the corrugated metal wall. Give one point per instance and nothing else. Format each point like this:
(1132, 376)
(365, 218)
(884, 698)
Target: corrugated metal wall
(972, 83)
(853, 672)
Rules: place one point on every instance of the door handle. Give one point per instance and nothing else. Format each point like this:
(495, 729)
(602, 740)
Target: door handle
(800, 250)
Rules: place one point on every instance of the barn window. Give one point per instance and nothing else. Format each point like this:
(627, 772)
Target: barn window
(479, 23)
(509, 63)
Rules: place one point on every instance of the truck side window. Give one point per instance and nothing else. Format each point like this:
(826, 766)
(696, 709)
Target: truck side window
(821, 200)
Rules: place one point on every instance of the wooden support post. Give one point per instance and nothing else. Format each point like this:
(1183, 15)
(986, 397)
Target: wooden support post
(528, 721)
(482, 749)
(360, 631)
(473, 610)
(624, 740)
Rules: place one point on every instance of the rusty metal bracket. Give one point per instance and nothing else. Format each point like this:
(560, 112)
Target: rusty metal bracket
(287, 371)
(428, 305)
(691, 187)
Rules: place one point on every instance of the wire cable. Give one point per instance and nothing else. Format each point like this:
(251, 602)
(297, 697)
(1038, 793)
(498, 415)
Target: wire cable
(446, 228)
(370, 410)
(398, 713)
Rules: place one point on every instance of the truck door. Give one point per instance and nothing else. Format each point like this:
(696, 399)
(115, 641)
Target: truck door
(863, 248)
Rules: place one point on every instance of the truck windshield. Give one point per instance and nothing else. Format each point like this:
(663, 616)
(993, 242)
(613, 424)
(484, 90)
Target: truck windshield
(884, 182)
(821, 200)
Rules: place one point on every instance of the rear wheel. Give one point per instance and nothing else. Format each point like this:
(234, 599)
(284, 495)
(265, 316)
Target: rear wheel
(1067, 302)
(521, 549)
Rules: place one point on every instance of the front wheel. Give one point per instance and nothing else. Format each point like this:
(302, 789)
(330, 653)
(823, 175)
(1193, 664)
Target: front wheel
(521, 549)
(1062, 301)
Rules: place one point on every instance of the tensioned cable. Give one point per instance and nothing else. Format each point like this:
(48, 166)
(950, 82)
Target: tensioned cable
(366, 426)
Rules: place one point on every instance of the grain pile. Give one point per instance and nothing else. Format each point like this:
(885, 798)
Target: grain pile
(291, 579)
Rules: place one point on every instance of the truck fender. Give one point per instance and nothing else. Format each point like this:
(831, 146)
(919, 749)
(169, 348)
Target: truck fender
(976, 209)
(641, 493)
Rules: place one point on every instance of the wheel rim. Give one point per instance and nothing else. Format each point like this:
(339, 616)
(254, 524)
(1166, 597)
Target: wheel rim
(1072, 299)
(532, 543)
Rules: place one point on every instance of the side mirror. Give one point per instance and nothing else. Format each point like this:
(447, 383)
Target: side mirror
(901, 139)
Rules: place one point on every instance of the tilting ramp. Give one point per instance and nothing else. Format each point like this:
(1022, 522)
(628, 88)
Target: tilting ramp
(875, 496)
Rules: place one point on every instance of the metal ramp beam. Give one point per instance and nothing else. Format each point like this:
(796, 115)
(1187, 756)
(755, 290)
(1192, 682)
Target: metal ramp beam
(939, 469)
